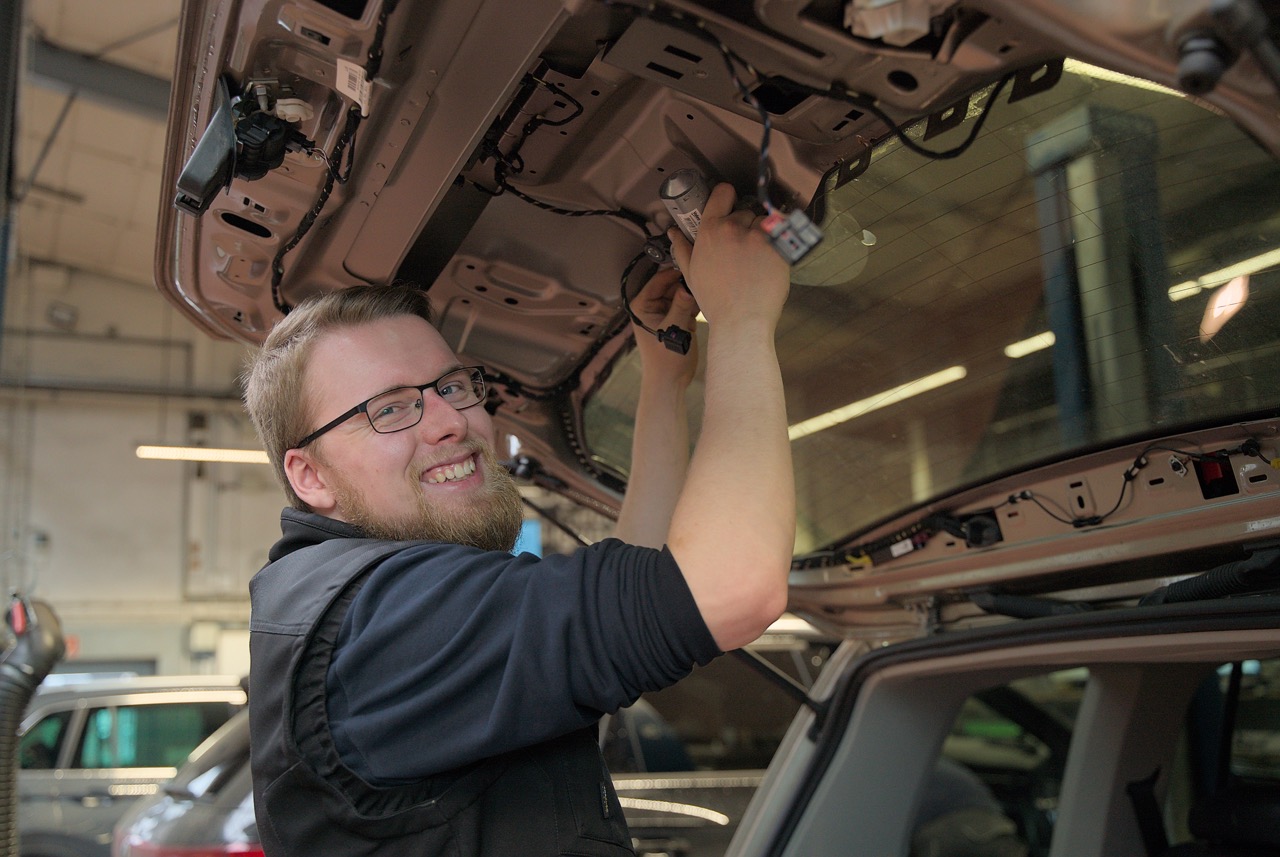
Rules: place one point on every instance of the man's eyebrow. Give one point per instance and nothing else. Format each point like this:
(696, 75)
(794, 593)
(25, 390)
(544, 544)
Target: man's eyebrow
(455, 368)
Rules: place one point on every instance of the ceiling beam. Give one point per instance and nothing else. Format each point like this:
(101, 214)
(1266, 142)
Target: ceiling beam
(10, 48)
(114, 85)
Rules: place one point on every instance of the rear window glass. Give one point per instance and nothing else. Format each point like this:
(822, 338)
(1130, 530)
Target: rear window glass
(1099, 265)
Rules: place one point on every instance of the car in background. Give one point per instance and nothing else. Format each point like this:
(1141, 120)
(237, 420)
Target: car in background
(206, 810)
(89, 747)
(1031, 365)
(685, 760)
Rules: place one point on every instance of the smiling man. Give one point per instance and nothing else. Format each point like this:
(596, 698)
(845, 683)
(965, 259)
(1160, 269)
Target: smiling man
(415, 688)
(440, 482)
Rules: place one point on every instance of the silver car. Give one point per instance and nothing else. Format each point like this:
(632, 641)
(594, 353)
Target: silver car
(89, 748)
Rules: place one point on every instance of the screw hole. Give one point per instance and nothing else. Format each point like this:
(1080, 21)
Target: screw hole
(904, 81)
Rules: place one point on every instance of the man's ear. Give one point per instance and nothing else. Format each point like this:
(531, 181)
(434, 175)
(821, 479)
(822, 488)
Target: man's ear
(308, 481)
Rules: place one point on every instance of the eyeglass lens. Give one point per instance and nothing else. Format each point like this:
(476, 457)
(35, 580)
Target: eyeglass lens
(401, 408)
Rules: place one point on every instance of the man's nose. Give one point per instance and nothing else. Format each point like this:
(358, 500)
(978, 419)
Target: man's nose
(441, 421)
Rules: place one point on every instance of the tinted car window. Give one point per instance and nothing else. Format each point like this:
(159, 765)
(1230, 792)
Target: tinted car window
(146, 736)
(42, 743)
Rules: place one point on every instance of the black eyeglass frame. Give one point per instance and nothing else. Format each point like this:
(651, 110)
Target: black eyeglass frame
(363, 407)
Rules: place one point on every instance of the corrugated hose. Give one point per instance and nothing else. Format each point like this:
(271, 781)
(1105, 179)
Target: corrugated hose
(35, 647)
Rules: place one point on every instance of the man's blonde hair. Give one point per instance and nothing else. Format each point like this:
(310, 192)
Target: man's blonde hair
(275, 378)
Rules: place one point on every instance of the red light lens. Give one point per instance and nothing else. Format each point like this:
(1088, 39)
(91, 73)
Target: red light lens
(132, 847)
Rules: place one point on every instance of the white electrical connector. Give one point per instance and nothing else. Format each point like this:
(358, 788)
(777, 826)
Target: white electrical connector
(294, 110)
(793, 234)
(895, 22)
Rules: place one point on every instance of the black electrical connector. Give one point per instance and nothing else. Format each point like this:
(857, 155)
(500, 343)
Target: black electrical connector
(676, 339)
(262, 139)
(656, 251)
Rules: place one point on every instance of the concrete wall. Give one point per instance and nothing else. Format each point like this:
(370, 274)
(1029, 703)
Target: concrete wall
(132, 554)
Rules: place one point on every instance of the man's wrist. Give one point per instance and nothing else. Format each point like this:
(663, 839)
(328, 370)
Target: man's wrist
(672, 387)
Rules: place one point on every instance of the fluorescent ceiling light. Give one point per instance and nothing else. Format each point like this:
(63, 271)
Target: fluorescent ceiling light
(853, 410)
(1225, 303)
(1030, 345)
(202, 453)
(674, 808)
(1191, 288)
(1098, 73)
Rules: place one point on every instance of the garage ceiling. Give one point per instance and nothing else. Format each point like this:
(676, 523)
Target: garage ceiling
(89, 141)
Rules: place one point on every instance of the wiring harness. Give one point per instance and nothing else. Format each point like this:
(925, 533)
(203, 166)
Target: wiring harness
(980, 529)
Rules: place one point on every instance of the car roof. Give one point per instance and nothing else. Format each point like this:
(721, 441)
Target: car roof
(57, 686)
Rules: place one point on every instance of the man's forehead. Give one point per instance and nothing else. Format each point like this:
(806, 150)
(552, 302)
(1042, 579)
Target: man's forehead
(377, 355)
(395, 339)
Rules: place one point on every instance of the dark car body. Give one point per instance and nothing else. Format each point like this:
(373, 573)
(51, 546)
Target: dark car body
(207, 809)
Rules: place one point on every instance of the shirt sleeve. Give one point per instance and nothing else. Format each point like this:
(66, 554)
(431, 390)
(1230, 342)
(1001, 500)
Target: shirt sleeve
(449, 655)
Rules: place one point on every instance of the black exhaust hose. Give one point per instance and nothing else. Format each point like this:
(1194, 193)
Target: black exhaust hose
(37, 646)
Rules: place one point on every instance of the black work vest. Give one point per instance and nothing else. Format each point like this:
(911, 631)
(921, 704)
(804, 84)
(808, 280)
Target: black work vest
(554, 798)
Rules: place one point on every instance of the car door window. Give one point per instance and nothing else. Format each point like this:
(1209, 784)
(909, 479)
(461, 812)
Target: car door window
(146, 736)
(1228, 796)
(995, 787)
(1255, 742)
(40, 746)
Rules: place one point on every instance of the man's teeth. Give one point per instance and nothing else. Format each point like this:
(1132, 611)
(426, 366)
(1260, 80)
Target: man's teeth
(453, 472)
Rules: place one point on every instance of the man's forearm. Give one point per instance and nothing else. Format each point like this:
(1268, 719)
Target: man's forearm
(659, 460)
(734, 526)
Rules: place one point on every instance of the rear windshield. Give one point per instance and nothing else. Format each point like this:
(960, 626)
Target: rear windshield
(1100, 264)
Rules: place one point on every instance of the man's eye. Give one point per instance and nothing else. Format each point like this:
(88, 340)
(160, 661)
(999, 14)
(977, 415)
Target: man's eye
(393, 409)
(453, 388)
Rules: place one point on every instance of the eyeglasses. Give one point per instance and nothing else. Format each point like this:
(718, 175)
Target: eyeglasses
(401, 408)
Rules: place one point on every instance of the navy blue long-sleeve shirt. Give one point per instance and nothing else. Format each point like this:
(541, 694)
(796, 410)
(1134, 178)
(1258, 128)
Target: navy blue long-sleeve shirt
(449, 654)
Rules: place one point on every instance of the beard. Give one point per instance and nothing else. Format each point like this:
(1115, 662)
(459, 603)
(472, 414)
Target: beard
(490, 519)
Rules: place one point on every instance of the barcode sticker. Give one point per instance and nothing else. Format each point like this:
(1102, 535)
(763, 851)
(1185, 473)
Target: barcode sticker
(352, 83)
(690, 221)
